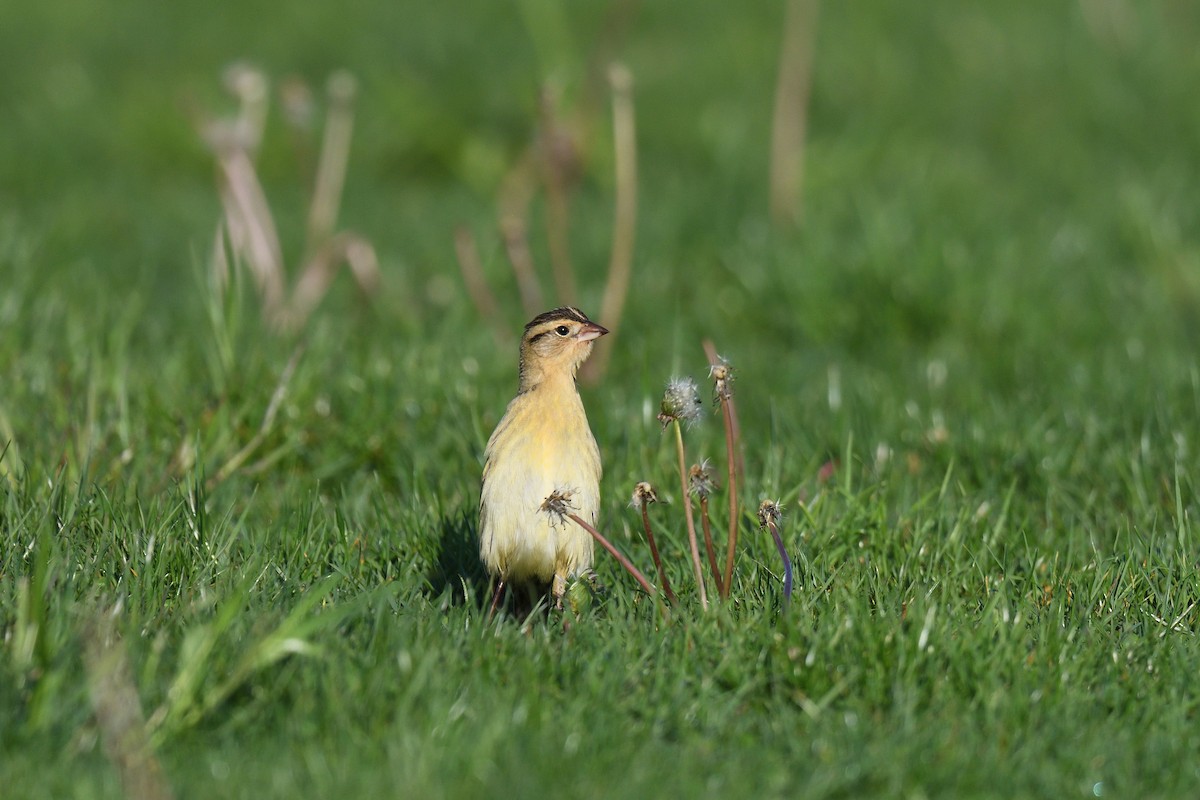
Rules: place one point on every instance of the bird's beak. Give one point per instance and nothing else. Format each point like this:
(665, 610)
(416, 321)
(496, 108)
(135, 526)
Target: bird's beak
(591, 331)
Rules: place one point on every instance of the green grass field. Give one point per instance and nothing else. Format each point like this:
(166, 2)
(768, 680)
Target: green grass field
(970, 376)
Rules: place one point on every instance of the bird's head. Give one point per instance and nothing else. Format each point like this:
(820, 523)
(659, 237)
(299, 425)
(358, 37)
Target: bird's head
(556, 343)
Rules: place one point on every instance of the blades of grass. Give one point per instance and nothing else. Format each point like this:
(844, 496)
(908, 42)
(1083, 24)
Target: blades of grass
(183, 706)
(290, 637)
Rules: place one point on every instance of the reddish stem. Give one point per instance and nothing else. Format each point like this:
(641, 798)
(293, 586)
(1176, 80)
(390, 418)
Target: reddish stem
(607, 545)
(662, 573)
(708, 546)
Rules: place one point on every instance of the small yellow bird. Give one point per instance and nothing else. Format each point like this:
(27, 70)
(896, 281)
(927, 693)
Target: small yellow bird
(542, 444)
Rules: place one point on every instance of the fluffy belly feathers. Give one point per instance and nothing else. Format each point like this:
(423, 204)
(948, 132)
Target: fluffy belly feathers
(519, 541)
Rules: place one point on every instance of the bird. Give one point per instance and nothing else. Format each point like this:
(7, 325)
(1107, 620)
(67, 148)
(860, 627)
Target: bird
(542, 445)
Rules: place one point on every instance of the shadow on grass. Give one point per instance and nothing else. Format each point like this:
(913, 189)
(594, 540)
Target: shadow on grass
(458, 570)
(457, 567)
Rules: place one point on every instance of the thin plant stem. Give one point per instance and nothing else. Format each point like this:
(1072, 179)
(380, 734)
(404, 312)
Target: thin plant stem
(708, 546)
(714, 359)
(620, 263)
(335, 152)
(557, 150)
(787, 564)
(733, 460)
(516, 193)
(516, 244)
(691, 525)
(662, 573)
(621, 559)
(480, 293)
(118, 711)
(726, 583)
(790, 119)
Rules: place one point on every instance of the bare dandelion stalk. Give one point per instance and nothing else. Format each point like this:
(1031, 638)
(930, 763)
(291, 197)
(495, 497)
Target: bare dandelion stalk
(320, 270)
(722, 375)
(643, 496)
(516, 194)
(558, 160)
(558, 504)
(250, 224)
(768, 517)
(607, 545)
(687, 510)
(248, 221)
(790, 123)
(620, 264)
(477, 286)
(335, 152)
(118, 711)
(681, 404)
(700, 478)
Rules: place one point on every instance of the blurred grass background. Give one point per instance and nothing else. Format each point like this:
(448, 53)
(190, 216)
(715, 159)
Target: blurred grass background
(987, 321)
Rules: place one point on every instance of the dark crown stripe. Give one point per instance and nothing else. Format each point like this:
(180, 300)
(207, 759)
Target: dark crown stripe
(563, 313)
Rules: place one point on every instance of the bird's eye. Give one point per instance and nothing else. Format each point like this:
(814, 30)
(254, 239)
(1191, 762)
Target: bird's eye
(562, 330)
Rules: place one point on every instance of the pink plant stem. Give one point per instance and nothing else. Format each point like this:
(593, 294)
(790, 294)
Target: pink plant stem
(662, 573)
(607, 545)
(708, 546)
(733, 457)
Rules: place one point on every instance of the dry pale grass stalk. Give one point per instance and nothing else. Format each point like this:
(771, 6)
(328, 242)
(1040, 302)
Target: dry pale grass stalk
(789, 125)
(118, 711)
(620, 264)
(560, 163)
(250, 87)
(681, 404)
(1113, 23)
(319, 271)
(335, 153)
(687, 510)
(516, 194)
(249, 223)
(481, 295)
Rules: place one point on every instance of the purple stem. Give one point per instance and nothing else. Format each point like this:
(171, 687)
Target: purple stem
(787, 565)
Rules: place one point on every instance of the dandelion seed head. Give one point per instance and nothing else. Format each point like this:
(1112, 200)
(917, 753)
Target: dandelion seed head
(643, 495)
(700, 479)
(681, 402)
(769, 512)
(558, 504)
(722, 376)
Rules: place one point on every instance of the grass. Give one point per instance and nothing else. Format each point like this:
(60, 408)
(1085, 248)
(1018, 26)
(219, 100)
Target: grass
(970, 378)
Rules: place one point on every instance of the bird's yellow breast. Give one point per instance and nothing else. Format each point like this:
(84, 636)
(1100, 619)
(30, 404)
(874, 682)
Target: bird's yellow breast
(542, 444)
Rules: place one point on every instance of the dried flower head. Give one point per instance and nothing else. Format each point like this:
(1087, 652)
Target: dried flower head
(558, 505)
(681, 402)
(700, 479)
(643, 495)
(722, 375)
(769, 512)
